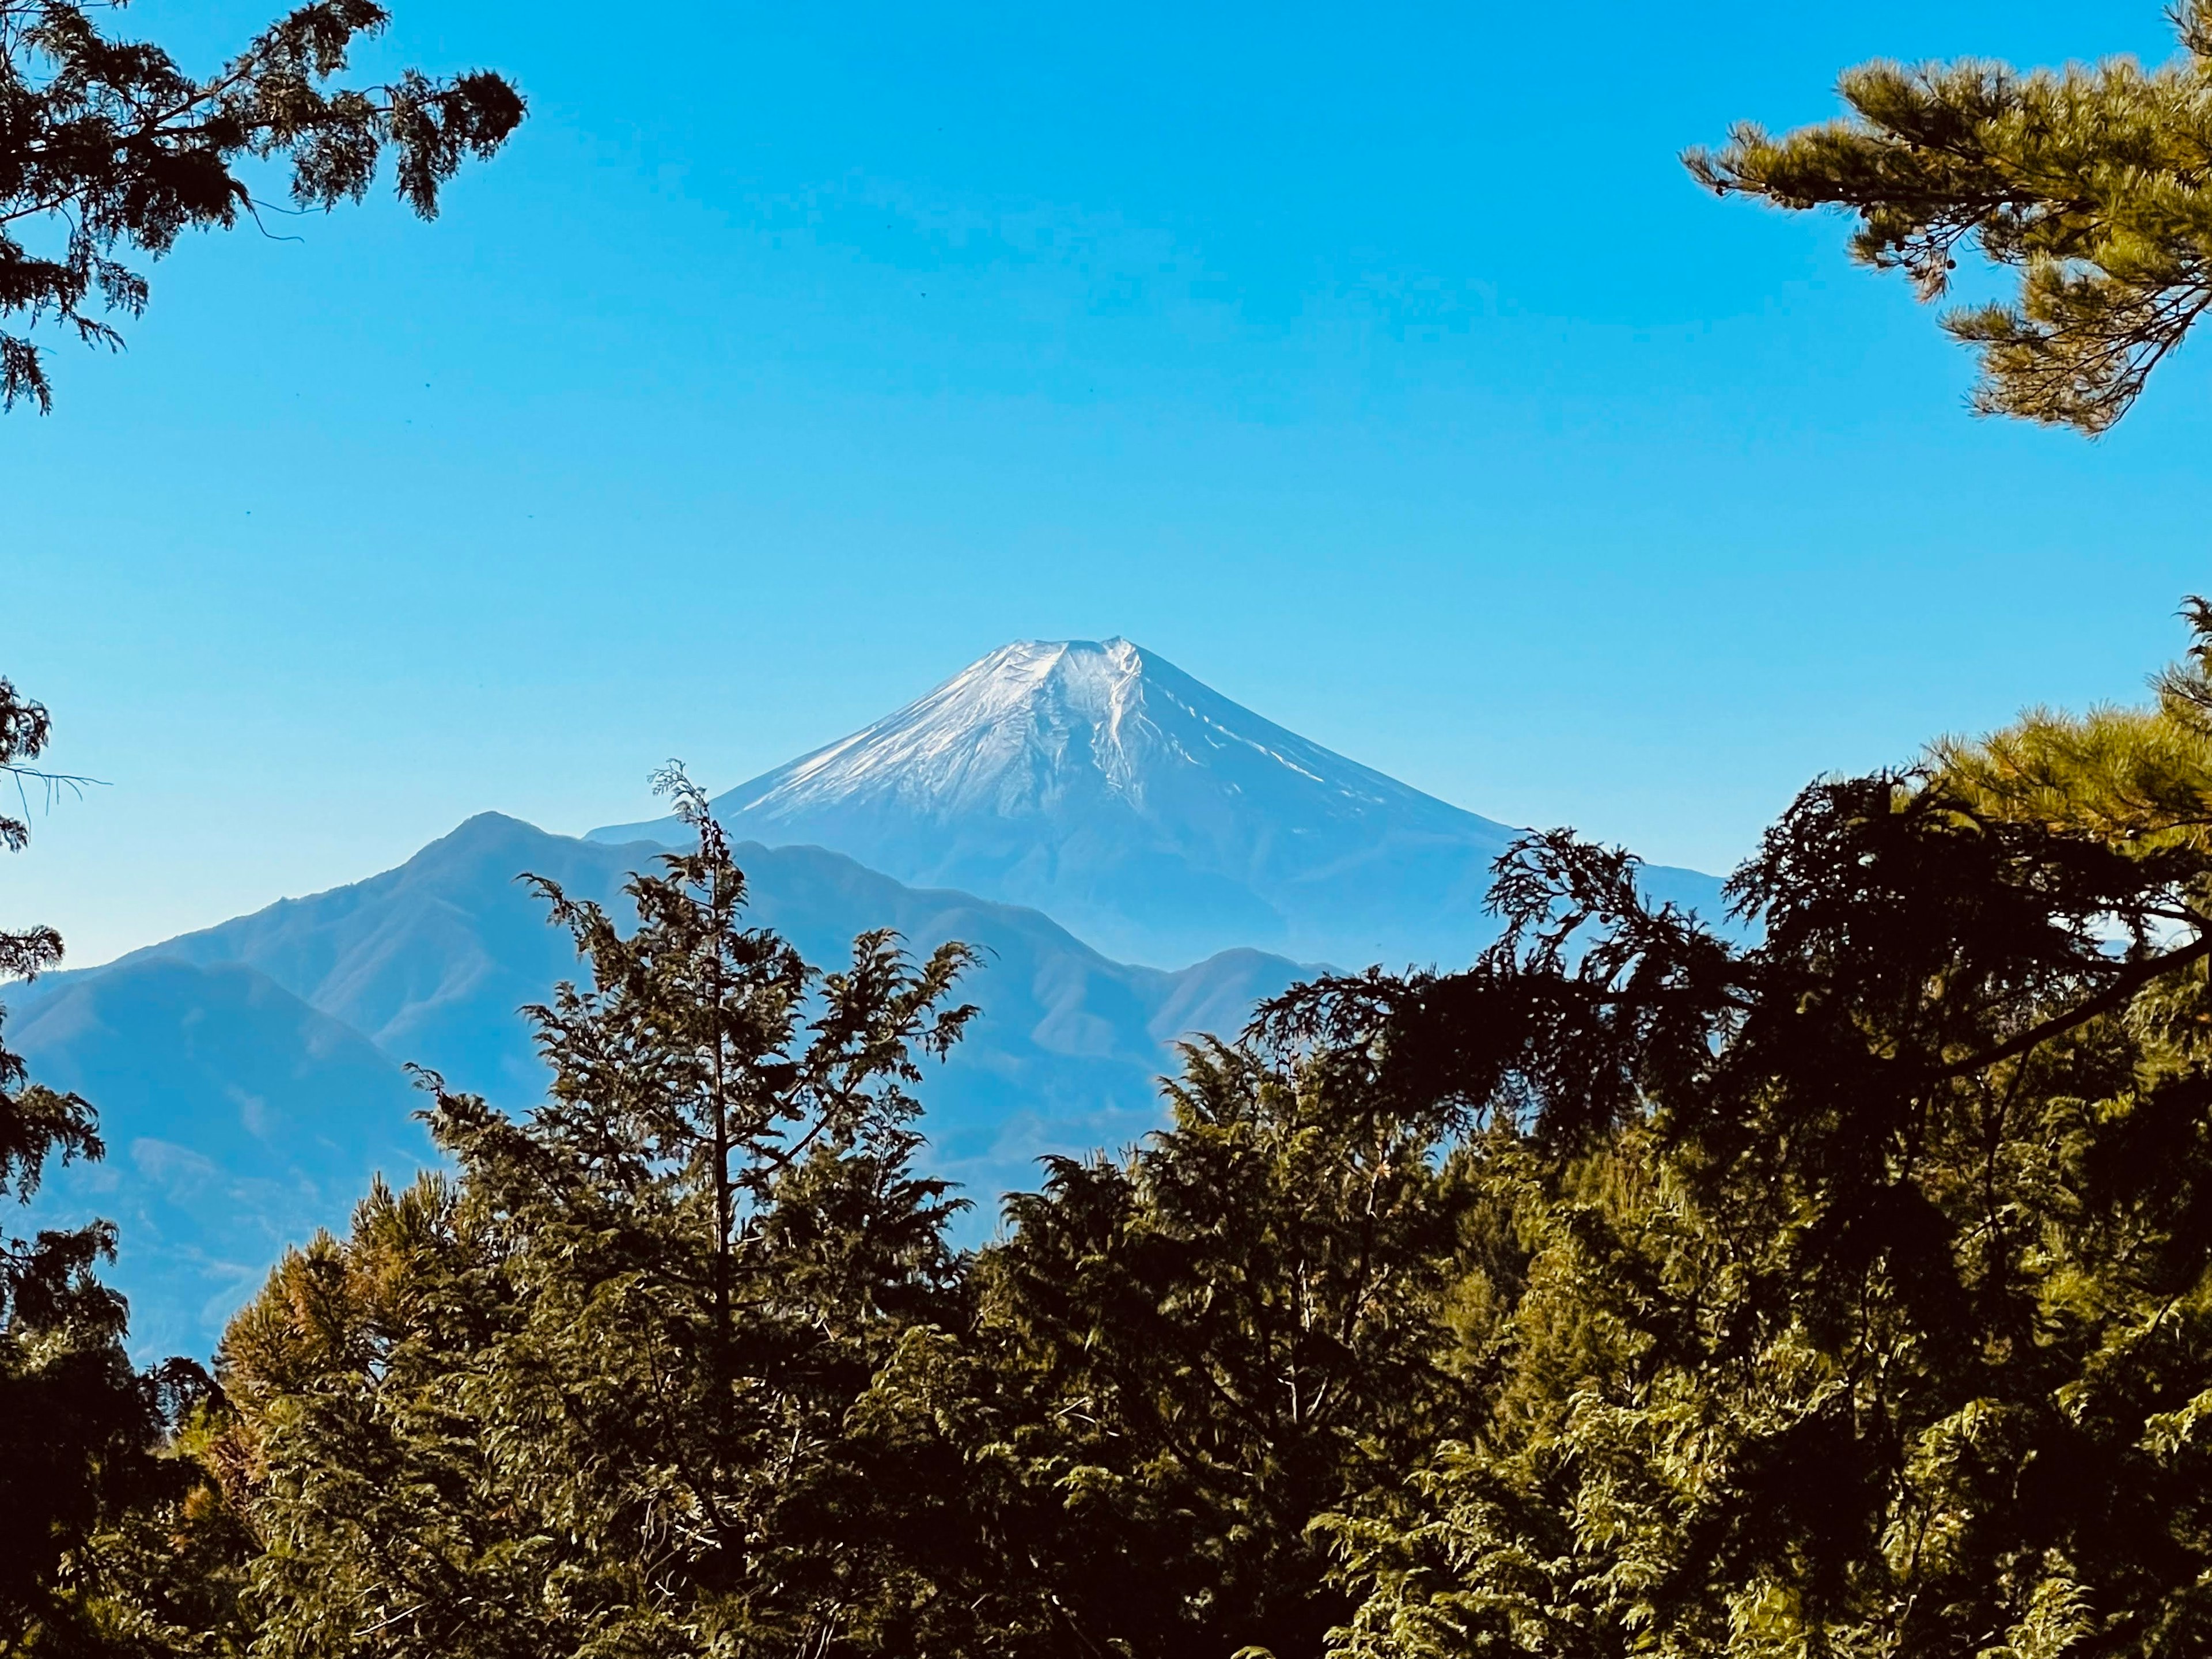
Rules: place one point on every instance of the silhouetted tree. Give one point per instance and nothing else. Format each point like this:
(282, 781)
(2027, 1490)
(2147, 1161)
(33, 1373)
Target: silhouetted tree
(106, 147)
(81, 1431)
(1870, 1307)
(1257, 1317)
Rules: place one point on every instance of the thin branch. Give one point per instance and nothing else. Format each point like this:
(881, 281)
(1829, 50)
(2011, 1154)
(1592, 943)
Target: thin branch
(2103, 1003)
(50, 783)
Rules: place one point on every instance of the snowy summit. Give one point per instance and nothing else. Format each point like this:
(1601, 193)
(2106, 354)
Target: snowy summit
(1156, 818)
(1039, 724)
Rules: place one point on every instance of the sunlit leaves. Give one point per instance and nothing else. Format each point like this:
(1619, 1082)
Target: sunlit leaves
(2093, 185)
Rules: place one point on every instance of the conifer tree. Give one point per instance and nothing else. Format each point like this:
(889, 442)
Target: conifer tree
(108, 148)
(80, 1430)
(596, 1392)
(2094, 185)
(1869, 1309)
(1254, 1318)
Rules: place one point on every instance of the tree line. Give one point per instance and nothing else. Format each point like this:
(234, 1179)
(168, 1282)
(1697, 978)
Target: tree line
(1840, 1283)
(1636, 1290)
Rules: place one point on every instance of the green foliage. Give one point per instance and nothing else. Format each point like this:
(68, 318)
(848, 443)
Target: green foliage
(2139, 780)
(598, 1394)
(1256, 1319)
(1870, 1304)
(107, 146)
(2094, 183)
(81, 1431)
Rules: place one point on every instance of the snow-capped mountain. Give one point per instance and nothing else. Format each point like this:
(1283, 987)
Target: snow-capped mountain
(1149, 813)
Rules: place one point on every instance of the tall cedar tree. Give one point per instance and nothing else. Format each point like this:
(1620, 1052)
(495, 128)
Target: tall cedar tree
(494, 1420)
(106, 147)
(597, 1393)
(79, 1430)
(2093, 184)
(1869, 1309)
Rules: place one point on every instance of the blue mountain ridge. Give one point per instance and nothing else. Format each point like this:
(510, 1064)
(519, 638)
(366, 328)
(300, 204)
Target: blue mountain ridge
(249, 1079)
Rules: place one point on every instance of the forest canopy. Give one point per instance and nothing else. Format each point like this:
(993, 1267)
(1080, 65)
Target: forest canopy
(1841, 1286)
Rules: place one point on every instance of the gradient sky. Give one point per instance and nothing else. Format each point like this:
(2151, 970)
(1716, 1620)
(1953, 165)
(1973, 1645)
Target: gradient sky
(1378, 365)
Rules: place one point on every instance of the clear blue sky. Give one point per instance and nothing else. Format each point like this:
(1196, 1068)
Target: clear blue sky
(1378, 365)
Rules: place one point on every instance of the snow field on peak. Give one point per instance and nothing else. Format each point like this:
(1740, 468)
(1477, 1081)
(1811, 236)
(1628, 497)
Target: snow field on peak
(1100, 783)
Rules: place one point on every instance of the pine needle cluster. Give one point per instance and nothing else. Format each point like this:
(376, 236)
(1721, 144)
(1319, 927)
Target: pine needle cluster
(2093, 183)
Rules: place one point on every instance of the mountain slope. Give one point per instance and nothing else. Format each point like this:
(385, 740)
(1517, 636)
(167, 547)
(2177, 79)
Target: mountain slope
(432, 959)
(1154, 816)
(295, 1019)
(238, 1120)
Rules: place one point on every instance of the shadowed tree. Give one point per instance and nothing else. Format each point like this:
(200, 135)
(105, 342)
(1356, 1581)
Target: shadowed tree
(108, 149)
(1870, 1306)
(1256, 1317)
(80, 1430)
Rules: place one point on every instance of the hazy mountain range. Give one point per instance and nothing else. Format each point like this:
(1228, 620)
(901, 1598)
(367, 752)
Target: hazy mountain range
(249, 1077)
